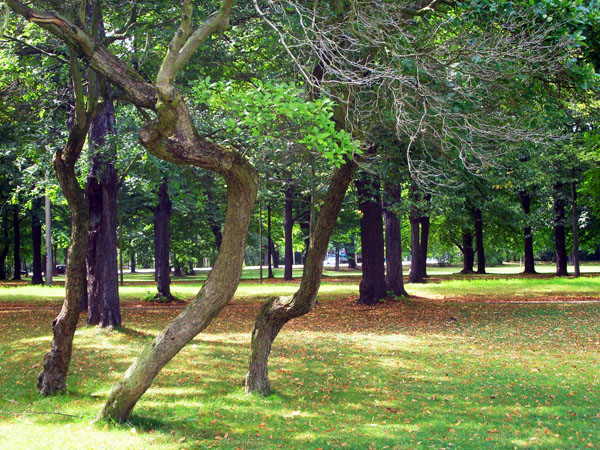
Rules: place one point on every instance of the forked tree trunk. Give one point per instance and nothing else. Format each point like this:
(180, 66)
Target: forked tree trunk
(53, 377)
(527, 234)
(479, 241)
(559, 230)
(36, 238)
(288, 227)
(393, 244)
(276, 313)
(16, 243)
(162, 217)
(468, 253)
(372, 286)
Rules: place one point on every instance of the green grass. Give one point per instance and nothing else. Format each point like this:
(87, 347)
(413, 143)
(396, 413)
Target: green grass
(398, 376)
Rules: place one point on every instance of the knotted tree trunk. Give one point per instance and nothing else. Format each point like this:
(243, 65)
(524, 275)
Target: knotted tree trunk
(276, 313)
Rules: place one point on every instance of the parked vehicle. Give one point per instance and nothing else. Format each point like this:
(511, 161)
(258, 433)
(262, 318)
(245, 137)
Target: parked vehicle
(61, 269)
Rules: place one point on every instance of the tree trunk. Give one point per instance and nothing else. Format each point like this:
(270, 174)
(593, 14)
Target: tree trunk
(424, 221)
(351, 253)
(276, 313)
(393, 243)
(527, 234)
(101, 191)
(36, 237)
(16, 243)
(5, 250)
(372, 287)
(559, 230)
(575, 218)
(132, 261)
(270, 247)
(415, 274)
(479, 241)
(162, 216)
(53, 377)
(288, 226)
(468, 253)
(337, 258)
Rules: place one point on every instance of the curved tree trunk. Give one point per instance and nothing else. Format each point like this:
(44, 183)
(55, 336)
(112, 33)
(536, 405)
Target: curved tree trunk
(53, 377)
(276, 313)
(36, 238)
(393, 244)
(162, 237)
(468, 253)
(479, 241)
(559, 230)
(288, 227)
(527, 234)
(372, 287)
(16, 243)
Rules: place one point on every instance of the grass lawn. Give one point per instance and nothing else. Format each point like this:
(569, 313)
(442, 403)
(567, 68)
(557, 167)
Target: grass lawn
(410, 374)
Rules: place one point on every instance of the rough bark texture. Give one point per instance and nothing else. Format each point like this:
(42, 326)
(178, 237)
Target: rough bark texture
(288, 227)
(393, 244)
(468, 253)
(527, 234)
(559, 231)
(101, 191)
(162, 217)
(36, 238)
(276, 313)
(479, 240)
(372, 287)
(53, 377)
(16, 244)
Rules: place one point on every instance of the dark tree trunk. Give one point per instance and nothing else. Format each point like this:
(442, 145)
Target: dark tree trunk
(5, 250)
(288, 226)
(177, 272)
(16, 243)
(415, 274)
(270, 247)
(468, 253)
(351, 253)
(372, 286)
(36, 238)
(479, 241)
(527, 234)
(132, 262)
(559, 230)
(101, 190)
(337, 258)
(162, 216)
(276, 313)
(424, 221)
(393, 243)
(575, 218)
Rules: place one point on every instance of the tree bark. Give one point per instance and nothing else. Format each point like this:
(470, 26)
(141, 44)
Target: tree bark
(49, 253)
(132, 261)
(16, 243)
(575, 219)
(288, 227)
(351, 253)
(372, 287)
(393, 243)
(36, 238)
(527, 234)
(162, 217)
(559, 230)
(424, 222)
(468, 253)
(53, 376)
(270, 246)
(479, 241)
(415, 274)
(276, 313)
